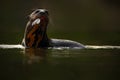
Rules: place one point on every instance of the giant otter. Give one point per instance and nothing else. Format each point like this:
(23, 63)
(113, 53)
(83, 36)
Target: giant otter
(35, 35)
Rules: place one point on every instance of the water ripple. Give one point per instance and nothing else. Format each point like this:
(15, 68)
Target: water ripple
(18, 46)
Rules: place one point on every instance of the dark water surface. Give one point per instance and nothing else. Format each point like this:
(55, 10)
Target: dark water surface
(92, 63)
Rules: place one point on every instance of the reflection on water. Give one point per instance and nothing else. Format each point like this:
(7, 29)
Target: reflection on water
(92, 63)
(35, 55)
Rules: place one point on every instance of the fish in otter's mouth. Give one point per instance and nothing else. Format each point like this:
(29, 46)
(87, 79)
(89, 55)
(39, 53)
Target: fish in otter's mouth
(35, 33)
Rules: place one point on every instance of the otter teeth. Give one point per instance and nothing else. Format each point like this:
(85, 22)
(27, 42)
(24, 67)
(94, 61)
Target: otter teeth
(36, 21)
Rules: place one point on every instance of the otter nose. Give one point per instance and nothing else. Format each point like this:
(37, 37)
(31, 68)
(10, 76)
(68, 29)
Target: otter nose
(44, 12)
(41, 11)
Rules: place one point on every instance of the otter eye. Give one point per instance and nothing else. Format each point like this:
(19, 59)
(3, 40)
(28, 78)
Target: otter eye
(37, 11)
(47, 12)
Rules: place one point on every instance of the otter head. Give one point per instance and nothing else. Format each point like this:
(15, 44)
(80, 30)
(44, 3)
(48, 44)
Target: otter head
(35, 33)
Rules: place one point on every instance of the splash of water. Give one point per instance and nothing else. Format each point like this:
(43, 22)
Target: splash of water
(11, 46)
(102, 47)
(18, 46)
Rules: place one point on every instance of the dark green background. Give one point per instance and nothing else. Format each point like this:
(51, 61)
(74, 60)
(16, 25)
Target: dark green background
(95, 22)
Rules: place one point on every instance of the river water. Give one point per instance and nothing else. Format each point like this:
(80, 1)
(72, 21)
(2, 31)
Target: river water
(92, 63)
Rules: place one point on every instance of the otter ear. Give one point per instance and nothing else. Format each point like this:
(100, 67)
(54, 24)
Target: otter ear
(28, 17)
(36, 21)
